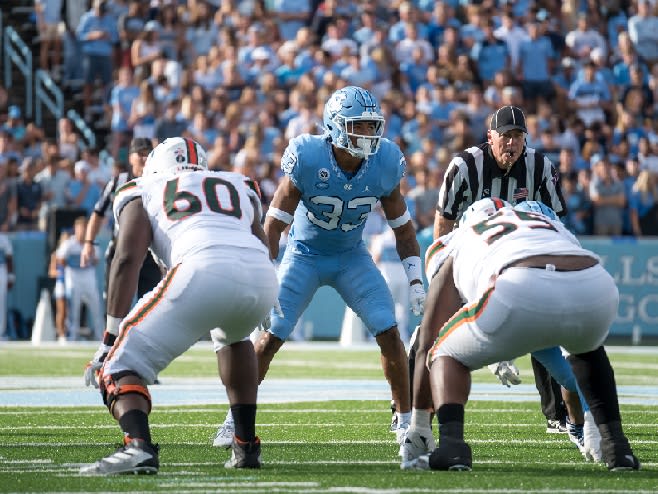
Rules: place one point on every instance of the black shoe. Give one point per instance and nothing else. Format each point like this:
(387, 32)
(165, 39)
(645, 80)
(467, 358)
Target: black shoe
(452, 454)
(555, 427)
(623, 463)
(244, 454)
(618, 456)
(617, 453)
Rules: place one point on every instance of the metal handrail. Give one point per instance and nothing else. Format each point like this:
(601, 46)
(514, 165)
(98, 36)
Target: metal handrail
(2, 32)
(87, 134)
(47, 94)
(17, 51)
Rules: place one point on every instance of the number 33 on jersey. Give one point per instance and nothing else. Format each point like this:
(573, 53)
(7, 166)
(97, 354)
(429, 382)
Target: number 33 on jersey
(331, 215)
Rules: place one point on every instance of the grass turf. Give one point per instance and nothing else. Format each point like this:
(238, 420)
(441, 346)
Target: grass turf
(333, 446)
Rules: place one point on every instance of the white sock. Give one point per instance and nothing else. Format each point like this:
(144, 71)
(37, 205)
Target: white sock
(420, 418)
(403, 418)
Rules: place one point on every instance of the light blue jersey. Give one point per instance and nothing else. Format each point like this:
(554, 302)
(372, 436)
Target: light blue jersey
(333, 210)
(326, 246)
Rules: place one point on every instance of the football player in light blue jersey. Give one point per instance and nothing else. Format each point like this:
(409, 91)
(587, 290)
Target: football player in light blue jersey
(332, 182)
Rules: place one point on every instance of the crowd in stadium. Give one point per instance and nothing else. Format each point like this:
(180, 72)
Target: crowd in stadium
(244, 77)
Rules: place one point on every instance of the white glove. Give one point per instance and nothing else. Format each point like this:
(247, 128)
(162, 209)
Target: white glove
(92, 369)
(267, 322)
(507, 372)
(417, 298)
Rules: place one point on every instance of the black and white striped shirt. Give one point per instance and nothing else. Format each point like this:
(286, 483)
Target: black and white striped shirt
(474, 174)
(107, 197)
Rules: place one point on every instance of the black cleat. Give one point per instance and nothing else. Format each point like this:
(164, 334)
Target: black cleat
(244, 454)
(452, 454)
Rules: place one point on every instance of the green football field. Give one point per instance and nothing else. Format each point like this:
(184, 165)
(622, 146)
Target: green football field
(323, 420)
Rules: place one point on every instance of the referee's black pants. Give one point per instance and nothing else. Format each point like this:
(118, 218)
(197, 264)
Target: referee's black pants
(550, 393)
(149, 275)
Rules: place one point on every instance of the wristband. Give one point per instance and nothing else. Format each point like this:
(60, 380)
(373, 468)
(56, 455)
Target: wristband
(11, 277)
(412, 268)
(109, 338)
(112, 324)
(400, 220)
(280, 215)
(92, 242)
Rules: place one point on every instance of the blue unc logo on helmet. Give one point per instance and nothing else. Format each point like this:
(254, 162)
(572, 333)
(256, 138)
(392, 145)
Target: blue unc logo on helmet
(536, 207)
(345, 108)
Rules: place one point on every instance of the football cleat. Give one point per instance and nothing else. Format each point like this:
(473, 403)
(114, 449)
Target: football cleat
(394, 418)
(555, 427)
(224, 435)
(418, 441)
(137, 457)
(244, 454)
(616, 451)
(624, 463)
(420, 463)
(401, 432)
(452, 455)
(592, 442)
(577, 436)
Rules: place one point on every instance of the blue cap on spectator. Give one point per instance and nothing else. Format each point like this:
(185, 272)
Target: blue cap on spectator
(152, 26)
(14, 111)
(596, 157)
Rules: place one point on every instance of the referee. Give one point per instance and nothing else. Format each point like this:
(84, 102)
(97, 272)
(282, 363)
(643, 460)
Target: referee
(504, 167)
(150, 274)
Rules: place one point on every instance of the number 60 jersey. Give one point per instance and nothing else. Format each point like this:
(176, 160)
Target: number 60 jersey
(491, 243)
(194, 211)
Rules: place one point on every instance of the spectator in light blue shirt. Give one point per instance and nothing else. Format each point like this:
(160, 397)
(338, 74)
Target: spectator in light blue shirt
(490, 54)
(535, 57)
(643, 31)
(98, 34)
(290, 15)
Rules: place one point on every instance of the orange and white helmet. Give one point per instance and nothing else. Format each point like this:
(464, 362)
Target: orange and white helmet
(482, 209)
(175, 155)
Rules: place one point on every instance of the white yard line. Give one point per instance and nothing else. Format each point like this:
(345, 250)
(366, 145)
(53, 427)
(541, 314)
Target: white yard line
(70, 391)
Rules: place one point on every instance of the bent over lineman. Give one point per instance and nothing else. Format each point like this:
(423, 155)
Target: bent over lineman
(204, 226)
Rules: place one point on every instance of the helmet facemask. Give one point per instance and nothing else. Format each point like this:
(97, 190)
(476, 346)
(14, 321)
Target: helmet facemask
(366, 145)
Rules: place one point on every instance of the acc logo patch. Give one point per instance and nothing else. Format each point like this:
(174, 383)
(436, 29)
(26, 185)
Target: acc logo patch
(288, 162)
(323, 174)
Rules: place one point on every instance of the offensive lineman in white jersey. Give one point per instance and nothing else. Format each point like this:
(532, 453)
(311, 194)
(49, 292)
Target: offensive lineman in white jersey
(516, 272)
(204, 227)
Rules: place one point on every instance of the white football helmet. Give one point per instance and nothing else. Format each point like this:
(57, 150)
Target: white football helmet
(482, 209)
(174, 155)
